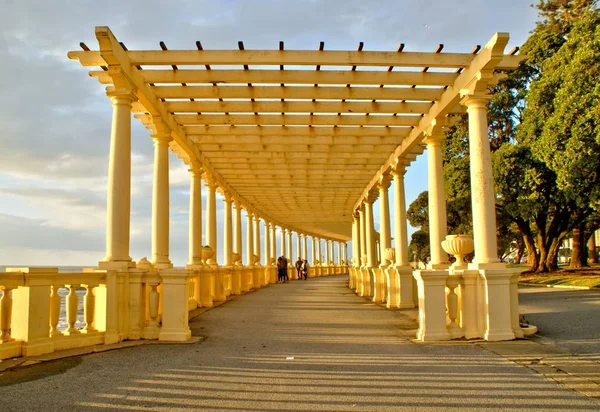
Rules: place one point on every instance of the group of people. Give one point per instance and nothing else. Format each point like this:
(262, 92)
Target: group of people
(282, 269)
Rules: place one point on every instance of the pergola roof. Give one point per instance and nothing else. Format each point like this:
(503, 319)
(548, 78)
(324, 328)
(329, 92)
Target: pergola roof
(299, 137)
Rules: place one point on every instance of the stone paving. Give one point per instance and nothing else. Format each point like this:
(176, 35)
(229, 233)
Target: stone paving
(302, 346)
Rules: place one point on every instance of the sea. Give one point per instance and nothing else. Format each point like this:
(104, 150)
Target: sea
(62, 292)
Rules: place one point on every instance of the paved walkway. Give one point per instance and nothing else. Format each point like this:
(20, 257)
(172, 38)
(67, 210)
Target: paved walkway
(301, 346)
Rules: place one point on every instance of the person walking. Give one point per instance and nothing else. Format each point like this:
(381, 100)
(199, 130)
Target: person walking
(299, 268)
(281, 268)
(304, 269)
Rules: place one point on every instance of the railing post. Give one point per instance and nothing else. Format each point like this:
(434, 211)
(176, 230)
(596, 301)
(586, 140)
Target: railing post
(5, 315)
(175, 314)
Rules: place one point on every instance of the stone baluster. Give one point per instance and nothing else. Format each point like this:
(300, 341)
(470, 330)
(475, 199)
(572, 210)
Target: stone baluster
(72, 302)
(54, 311)
(5, 315)
(89, 306)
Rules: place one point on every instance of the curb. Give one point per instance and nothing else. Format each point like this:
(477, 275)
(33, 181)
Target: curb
(560, 286)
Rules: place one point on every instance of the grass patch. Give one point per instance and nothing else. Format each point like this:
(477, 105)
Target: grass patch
(589, 277)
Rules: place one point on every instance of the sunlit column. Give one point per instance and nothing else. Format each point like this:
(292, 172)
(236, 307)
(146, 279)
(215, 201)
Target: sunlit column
(195, 217)
(160, 201)
(400, 226)
(282, 241)
(327, 257)
(227, 232)
(237, 230)
(314, 250)
(436, 199)
(319, 250)
(340, 255)
(370, 231)
(289, 245)
(384, 219)
(363, 234)
(273, 242)
(249, 239)
(118, 199)
(345, 253)
(298, 246)
(211, 216)
(267, 234)
(355, 239)
(482, 181)
(304, 245)
(256, 233)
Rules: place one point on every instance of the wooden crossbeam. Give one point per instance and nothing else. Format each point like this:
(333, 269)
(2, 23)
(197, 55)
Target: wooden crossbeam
(298, 77)
(283, 131)
(297, 120)
(297, 107)
(296, 148)
(297, 92)
(305, 140)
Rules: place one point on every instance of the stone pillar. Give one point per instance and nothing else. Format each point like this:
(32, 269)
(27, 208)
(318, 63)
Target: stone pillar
(118, 199)
(400, 232)
(249, 239)
(482, 181)
(160, 201)
(363, 236)
(327, 256)
(319, 250)
(211, 218)
(314, 250)
(298, 246)
(282, 241)
(369, 233)
(268, 255)
(256, 242)
(304, 246)
(227, 233)
(356, 239)
(195, 218)
(289, 246)
(273, 242)
(384, 218)
(437, 201)
(237, 230)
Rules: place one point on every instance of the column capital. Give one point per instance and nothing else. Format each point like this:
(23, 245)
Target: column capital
(384, 182)
(371, 197)
(210, 182)
(121, 95)
(478, 100)
(435, 132)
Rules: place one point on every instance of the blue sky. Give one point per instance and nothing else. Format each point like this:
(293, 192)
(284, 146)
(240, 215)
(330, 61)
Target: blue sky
(55, 120)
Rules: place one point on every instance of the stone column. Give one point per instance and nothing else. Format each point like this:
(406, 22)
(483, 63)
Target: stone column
(256, 233)
(160, 201)
(298, 246)
(237, 230)
(314, 250)
(482, 181)
(402, 294)
(273, 242)
(319, 249)
(118, 199)
(437, 201)
(268, 255)
(211, 224)
(304, 246)
(370, 232)
(384, 217)
(195, 218)
(227, 233)
(289, 245)
(327, 257)
(400, 227)
(249, 239)
(282, 241)
(363, 235)
(356, 239)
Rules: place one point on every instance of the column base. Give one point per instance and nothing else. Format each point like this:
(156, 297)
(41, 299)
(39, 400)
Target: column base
(162, 265)
(174, 335)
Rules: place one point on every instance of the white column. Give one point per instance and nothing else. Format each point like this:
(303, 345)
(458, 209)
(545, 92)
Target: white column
(327, 256)
(356, 239)
(437, 202)
(237, 230)
(340, 255)
(319, 250)
(304, 246)
(267, 232)
(345, 254)
(195, 217)
(289, 246)
(482, 181)
(160, 201)
(118, 199)
(298, 246)
(314, 250)
(370, 231)
(363, 234)
(273, 242)
(400, 227)
(384, 219)
(211, 218)
(282, 238)
(256, 233)
(249, 239)
(227, 233)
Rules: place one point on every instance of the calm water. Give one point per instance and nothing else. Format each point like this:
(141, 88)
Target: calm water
(62, 292)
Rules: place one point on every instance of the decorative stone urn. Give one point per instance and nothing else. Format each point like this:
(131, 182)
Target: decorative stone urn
(389, 256)
(207, 253)
(236, 259)
(458, 246)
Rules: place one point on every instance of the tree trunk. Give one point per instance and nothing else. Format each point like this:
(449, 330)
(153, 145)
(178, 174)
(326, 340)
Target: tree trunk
(552, 262)
(520, 250)
(577, 255)
(542, 266)
(592, 256)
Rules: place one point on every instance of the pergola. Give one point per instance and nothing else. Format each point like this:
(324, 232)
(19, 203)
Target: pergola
(306, 141)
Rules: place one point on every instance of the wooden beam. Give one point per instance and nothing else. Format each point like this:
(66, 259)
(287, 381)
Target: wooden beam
(290, 157)
(297, 92)
(297, 107)
(295, 148)
(299, 77)
(308, 140)
(302, 131)
(297, 120)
